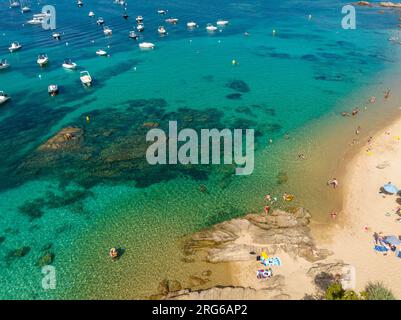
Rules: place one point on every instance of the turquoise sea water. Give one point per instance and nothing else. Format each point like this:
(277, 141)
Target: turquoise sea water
(75, 205)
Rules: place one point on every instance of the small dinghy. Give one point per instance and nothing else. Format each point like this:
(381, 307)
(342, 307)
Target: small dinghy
(85, 78)
(162, 12)
(68, 64)
(14, 47)
(161, 30)
(80, 3)
(211, 28)
(101, 52)
(25, 9)
(53, 90)
(191, 25)
(107, 31)
(133, 35)
(140, 27)
(14, 4)
(3, 97)
(100, 21)
(146, 45)
(56, 36)
(4, 64)
(172, 20)
(139, 19)
(43, 59)
(91, 14)
(222, 23)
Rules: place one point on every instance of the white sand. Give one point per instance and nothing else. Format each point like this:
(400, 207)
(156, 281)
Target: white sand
(364, 207)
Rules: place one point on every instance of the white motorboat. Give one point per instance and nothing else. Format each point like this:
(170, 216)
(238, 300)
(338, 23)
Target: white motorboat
(211, 28)
(43, 59)
(107, 31)
(191, 25)
(3, 97)
(56, 35)
(172, 20)
(68, 64)
(4, 64)
(140, 27)
(52, 89)
(161, 30)
(133, 35)
(15, 4)
(139, 19)
(162, 12)
(35, 21)
(100, 21)
(91, 14)
(14, 47)
(101, 52)
(222, 23)
(85, 78)
(80, 3)
(146, 45)
(25, 9)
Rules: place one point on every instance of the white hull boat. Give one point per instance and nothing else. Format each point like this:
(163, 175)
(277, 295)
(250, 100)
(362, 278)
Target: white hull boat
(14, 47)
(146, 46)
(3, 97)
(86, 78)
(101, 52)
(42, 60)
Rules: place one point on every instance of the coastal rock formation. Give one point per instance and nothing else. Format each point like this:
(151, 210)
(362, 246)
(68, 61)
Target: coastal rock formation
(326, 273)
(273, 292)
(66, 139)
(241, 239)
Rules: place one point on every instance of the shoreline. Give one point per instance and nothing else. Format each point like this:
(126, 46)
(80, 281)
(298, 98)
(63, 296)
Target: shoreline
(349, 239)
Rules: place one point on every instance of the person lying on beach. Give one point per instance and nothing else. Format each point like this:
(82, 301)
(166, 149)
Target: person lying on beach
(358, 130)
(387, 94)
(302, 156)
(345, 114)
(372, 99)
(355, 111)
(268, 197)
(333, 215)
(333, 182)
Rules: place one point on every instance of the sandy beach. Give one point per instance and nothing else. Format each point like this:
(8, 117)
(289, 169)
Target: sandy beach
(366, 211)
(311, 254)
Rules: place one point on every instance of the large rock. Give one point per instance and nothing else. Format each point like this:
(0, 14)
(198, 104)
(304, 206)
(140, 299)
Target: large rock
(240, 239)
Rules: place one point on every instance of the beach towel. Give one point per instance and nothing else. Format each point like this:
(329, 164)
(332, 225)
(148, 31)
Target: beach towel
(269, 262)
(381, 248)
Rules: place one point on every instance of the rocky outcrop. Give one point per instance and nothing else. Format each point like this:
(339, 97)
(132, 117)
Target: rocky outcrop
(326, 273)
(273, 292)
(241, 239)
(66, 139)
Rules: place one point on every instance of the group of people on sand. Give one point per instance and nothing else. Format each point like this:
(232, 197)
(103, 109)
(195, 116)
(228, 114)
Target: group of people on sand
(272, 200)
(387, 243)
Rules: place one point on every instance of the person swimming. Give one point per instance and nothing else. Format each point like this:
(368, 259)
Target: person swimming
(113, 253)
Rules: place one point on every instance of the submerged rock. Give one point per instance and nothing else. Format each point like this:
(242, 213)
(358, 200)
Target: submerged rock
(17, 253)
(46, 259)
(234, 96)
(238, 85)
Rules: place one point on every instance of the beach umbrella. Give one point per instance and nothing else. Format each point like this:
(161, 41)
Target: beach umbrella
(390, 188)
(392, 240)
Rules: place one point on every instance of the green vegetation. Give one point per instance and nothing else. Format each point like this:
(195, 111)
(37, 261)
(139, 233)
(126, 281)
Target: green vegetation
(373, 291)
(377, 291)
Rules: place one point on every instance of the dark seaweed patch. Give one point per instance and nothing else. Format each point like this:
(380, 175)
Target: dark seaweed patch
(234, 96)
(238, 85)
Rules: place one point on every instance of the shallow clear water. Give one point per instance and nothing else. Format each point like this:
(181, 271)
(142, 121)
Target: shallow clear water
(84, 202)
